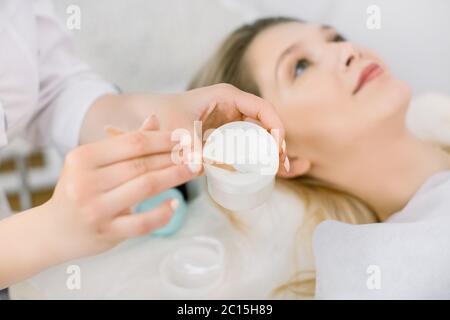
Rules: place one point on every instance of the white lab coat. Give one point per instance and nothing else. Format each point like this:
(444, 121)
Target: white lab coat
(45, 90)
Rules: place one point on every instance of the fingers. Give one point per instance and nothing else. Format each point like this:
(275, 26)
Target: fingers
(112, 176)
(235, 104)
(257, 108)
(147, 185)
(127, 146)
(151, 123)
(135, 225)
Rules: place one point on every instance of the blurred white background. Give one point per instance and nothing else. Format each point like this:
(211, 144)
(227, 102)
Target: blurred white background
(158, 45)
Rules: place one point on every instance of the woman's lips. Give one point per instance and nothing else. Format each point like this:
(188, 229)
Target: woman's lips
(369, 73)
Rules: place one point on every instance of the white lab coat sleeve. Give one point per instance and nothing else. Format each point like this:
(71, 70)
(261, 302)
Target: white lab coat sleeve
(67, 87)
(3, 136)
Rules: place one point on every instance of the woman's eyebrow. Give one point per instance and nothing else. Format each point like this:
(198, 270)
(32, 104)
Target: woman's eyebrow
(284, 54)
(294, 46)
(330, 30)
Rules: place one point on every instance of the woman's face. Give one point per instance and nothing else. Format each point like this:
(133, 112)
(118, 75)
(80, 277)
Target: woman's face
(338, 101)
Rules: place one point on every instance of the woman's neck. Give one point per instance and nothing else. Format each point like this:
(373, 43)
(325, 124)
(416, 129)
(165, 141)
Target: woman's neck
(390, 180)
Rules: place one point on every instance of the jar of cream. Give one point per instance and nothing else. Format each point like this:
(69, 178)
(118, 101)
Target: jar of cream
(240, 162)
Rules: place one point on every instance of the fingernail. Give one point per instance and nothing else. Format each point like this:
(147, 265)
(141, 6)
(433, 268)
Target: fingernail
(286, 164)
(194, 162)
(174, 203)
(283, 146)
(145, 123)
(276, 135)
(195, 168)
(113, 131)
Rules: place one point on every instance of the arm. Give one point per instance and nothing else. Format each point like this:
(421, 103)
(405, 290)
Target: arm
(127, 111)
(25, 249)
(214, 106)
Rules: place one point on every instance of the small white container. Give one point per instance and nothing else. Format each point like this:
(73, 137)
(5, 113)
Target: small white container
(253, 152)
(194, 268)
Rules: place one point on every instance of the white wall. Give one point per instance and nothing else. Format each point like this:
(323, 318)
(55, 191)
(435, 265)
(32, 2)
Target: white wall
(158, 45)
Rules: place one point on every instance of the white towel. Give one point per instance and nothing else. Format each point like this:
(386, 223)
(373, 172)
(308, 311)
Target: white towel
(407, 257)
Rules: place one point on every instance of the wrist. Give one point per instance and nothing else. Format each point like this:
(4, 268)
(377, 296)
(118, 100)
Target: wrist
(119, 110)
(46, 234)
(28, 245)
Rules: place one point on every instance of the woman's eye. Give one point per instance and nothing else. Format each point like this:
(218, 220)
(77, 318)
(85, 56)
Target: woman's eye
(301, 67)
(338, 38)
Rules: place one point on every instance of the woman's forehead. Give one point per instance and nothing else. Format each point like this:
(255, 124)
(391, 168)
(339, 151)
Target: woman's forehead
(284, 34)
(267, 47)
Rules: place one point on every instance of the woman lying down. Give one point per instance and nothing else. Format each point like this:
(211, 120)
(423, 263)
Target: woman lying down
(352, 160)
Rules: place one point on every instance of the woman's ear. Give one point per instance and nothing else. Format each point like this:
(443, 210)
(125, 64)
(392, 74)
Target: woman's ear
(298, 166)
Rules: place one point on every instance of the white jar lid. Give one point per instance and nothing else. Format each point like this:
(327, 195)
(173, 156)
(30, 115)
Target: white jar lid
(251, 150)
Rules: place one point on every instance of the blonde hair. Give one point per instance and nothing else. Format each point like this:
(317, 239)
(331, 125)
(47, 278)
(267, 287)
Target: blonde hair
(321, 201)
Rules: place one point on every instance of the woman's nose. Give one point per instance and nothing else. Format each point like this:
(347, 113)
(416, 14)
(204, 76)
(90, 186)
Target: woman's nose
(348, 55)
